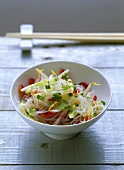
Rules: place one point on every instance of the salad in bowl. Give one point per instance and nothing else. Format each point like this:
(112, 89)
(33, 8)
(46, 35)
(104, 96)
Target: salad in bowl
(57, 100)
(60, 98)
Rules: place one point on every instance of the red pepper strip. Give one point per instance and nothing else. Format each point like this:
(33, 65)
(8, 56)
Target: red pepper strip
(85, 85)
(76, 91)
(31, 81)
(51, 99)
(20, 92)
(95, 98)
(88, 117)
(47, 114)
(61, 71)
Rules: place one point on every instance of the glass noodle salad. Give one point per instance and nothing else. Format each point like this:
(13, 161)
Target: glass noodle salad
(57, 100)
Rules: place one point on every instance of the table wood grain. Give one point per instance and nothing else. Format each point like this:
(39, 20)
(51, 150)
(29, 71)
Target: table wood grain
(99, 147)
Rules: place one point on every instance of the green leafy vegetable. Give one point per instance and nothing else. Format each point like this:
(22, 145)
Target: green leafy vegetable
(70, 94)
(57, 96)
(64, 76)
(39, 97)
(65, 87)
(32, 111)
(72, 114)
(76, 105)
(75, 96)
(63, 105)
(51, 102)
(47, 86)
(74, 86)
(94, 115)
(55, 79)
(103, 102)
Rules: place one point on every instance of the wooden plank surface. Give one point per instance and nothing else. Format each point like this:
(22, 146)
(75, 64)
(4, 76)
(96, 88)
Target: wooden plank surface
(62, 167)
(94, 55)
(99, 144)
(99, 147)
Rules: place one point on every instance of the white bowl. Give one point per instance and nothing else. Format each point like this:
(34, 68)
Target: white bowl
(79, 73)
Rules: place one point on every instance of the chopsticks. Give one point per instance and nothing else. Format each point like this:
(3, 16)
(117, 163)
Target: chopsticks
(84, 37)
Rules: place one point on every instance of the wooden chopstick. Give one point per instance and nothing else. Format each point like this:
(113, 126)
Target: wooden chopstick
(85, 37)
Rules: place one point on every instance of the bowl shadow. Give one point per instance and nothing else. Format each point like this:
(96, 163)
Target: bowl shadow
(85, 148)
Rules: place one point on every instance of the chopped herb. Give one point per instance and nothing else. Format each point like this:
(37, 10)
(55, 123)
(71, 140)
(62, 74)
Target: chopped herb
(64, 76)
(70, 111)
(47, 86)
(70, 119)
(103, 102)
(94, 115)
(69, 108)
(57, 96)
(63, 105)
(74, 86)
(51, 102)
(65, 87)
(55, 79)
(75, 96)
(74, 106)
(70, 94)
(39, 97)
(72, 114)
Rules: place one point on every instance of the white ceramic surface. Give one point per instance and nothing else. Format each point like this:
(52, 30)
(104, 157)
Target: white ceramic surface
(78, 72)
